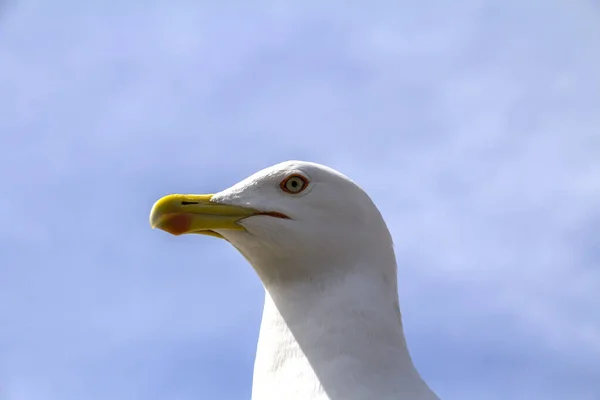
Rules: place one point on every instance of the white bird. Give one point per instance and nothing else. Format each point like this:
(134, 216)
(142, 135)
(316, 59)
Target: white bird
(331, 326)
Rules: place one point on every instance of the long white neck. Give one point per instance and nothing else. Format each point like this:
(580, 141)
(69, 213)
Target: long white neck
(339, 338)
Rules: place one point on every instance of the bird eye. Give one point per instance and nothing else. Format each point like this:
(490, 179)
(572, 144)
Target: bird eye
(294, 184)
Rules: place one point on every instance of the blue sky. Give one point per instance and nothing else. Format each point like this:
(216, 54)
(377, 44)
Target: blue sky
(474, 125)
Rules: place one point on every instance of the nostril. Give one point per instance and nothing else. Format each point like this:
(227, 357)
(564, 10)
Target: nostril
(188, 203)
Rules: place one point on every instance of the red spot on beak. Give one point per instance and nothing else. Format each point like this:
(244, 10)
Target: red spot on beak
(176, 224)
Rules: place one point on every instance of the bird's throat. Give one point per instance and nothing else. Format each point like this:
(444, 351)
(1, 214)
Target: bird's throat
(332, 340)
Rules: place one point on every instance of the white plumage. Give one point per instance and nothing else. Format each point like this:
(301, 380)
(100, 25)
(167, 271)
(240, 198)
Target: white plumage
(331, 325)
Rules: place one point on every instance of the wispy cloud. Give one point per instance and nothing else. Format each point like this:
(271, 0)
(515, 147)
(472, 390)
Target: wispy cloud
(473, 125)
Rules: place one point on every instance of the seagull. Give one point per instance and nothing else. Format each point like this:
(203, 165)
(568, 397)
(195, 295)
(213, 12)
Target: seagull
(331, 325)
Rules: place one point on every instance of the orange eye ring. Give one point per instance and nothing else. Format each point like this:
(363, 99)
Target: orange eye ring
(294, 184)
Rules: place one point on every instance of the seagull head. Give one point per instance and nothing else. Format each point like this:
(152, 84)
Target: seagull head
(294, 210)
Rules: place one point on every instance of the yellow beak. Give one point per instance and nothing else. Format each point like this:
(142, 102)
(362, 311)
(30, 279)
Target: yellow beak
(189, 213)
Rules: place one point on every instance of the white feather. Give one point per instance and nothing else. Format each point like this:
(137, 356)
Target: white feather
(331, 325)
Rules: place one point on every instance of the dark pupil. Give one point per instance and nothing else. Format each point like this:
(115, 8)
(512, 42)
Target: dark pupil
(294, 183)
